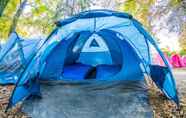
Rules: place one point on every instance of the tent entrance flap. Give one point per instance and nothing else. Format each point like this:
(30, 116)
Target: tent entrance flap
(162, 78)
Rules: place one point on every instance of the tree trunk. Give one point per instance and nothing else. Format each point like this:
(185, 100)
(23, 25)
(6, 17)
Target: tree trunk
(16, 16)
(3, 4)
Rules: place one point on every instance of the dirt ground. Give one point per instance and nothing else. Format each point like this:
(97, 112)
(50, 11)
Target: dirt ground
(5, 92)
(162, 107)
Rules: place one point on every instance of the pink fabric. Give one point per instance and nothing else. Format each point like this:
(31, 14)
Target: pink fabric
(183, 61)
(158, 60)
(176, 61)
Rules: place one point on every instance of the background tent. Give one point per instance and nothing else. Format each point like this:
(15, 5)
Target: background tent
(176, 61)
(14, 57)
(184, 61)
(95, 46)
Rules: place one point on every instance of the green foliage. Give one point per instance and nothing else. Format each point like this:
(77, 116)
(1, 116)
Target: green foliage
(167, 52)
(11, 8)
(3, 4)
(183, 39)
(139, 9)
(175, 3)
(4, 27)
(43, 14)
(130, 6)
(40, 19)
(183, 52)
(6, 18)
(39, 9)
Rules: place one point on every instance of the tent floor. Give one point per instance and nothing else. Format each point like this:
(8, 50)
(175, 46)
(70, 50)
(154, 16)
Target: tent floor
(91, 101)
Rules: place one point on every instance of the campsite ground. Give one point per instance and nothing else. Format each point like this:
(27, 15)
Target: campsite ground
(161, 106)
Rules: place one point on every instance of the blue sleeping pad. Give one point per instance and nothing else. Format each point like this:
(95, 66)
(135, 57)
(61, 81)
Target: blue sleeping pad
(76, 71)
(106, 70)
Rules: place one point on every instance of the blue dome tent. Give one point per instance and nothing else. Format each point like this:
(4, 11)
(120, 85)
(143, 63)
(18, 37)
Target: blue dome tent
(94, 46)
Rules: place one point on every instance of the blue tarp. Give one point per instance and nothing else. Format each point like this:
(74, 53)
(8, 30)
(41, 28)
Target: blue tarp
(116, 100)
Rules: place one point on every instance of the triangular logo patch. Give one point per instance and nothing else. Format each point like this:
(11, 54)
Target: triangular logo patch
(95, 44)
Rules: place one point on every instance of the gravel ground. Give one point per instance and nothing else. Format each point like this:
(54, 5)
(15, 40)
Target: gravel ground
(162, 107)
